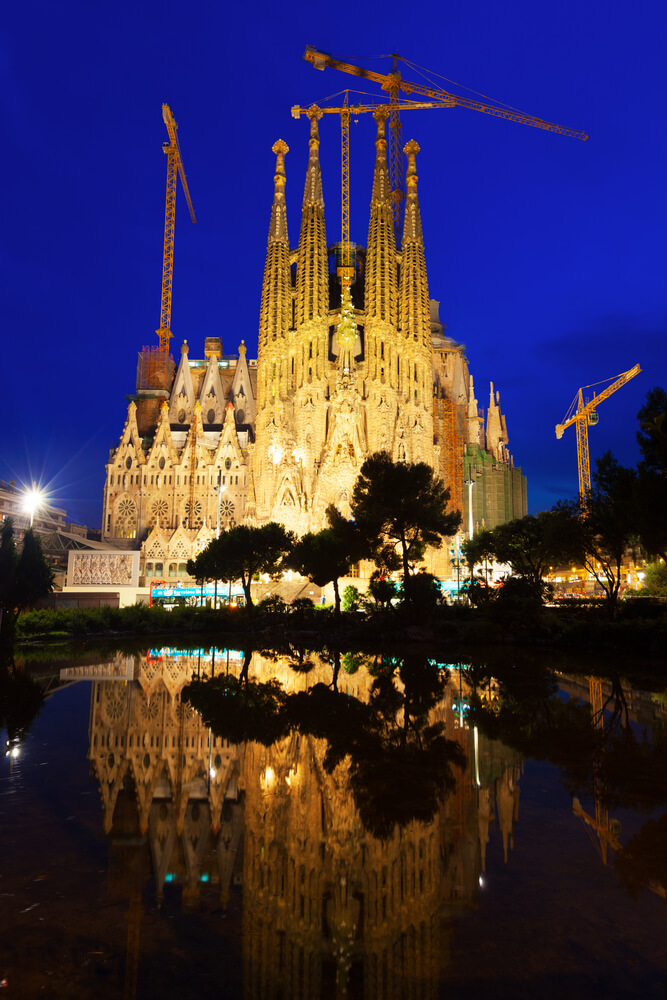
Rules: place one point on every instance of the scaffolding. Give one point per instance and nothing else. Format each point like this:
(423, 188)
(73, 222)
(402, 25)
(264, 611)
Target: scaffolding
(452, 445)
(155, 367)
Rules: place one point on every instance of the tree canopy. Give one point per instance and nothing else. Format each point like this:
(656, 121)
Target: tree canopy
(24, 576)
(404, 505)
(243, 552)
(530, 545)
(599, 527)
(652, 433)
(326, 555)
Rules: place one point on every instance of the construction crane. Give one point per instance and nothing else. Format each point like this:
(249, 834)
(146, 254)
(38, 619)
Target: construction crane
(174, 168)
(584, 413)
(394, 83)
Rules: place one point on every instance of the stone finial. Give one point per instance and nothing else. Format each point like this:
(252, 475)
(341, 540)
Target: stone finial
(280, 148)
(242, 348)
(314, 113)
(411, 149)
(184, 347)
(381, 114)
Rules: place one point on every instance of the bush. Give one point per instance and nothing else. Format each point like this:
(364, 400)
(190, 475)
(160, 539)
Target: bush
(655, 583)
(351, 598)
(273, 603)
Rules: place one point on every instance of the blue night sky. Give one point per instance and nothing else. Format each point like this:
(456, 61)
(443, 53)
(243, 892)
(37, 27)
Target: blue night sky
(546, 253)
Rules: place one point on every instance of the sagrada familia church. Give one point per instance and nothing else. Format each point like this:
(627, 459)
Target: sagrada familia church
(346, 366)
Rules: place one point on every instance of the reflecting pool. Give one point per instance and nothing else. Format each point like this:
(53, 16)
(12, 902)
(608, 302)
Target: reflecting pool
(291, 823)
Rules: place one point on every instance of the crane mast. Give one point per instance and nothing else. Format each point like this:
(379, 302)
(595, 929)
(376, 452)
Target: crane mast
(584, 413)
(174, 170)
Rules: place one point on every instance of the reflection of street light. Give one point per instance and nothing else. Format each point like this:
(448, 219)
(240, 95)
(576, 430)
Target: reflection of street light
(33, 499)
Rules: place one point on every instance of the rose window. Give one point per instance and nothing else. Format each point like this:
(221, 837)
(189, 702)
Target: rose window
(114, 707)
(226, 508)
(149, 709)
(193, 514)
(159, 512)
(126, 515)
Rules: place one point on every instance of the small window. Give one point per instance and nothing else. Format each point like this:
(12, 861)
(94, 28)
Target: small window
(211, 416)
(161, 463)
(172, 569)
(181, 416)
(128, 462)
(149, 569)
(182, 569)
(228, 463)
(159, 569)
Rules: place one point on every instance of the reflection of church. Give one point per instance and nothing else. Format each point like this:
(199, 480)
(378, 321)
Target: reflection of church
(326, 906)
(341, 372)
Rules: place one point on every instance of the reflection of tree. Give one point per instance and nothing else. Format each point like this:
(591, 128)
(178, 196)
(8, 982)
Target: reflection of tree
(240, 709)
(21, 699)
(643, 860)
(400, 761)
(599, 756)
(400, 764)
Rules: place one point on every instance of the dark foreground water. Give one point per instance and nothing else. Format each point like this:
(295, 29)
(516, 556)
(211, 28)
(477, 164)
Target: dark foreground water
(303, 825)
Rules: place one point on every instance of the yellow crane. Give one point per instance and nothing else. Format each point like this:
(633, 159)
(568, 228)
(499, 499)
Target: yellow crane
(174, 169)
(582, 413)
(394, 83)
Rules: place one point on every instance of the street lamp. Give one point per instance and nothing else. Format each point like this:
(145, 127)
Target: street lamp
(33, 499)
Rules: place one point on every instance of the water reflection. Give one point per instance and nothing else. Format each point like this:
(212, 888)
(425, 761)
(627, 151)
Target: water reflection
(357, 819)
(21, 701)
(322, 821)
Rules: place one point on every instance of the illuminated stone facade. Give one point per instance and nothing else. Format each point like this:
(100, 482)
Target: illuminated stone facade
(340, 373)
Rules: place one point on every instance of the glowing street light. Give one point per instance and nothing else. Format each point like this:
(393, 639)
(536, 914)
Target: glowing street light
(33, 499)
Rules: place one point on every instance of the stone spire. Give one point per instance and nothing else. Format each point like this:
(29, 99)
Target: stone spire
(496, 429)
(312, 272)
(415, 321)
(381, 277)
(275, 308)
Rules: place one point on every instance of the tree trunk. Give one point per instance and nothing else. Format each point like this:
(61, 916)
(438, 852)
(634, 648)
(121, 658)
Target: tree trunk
(336, 598)
(406, 571)
(245, 582)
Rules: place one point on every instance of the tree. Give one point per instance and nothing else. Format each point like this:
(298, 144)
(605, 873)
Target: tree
(599, 528)
(24, 578)
(8, 560)
(530, 545)
(651, 511)
(402, 504)
(652, 474)
(326, 555)
(480, 548)
(244, 551)
(652, 433)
